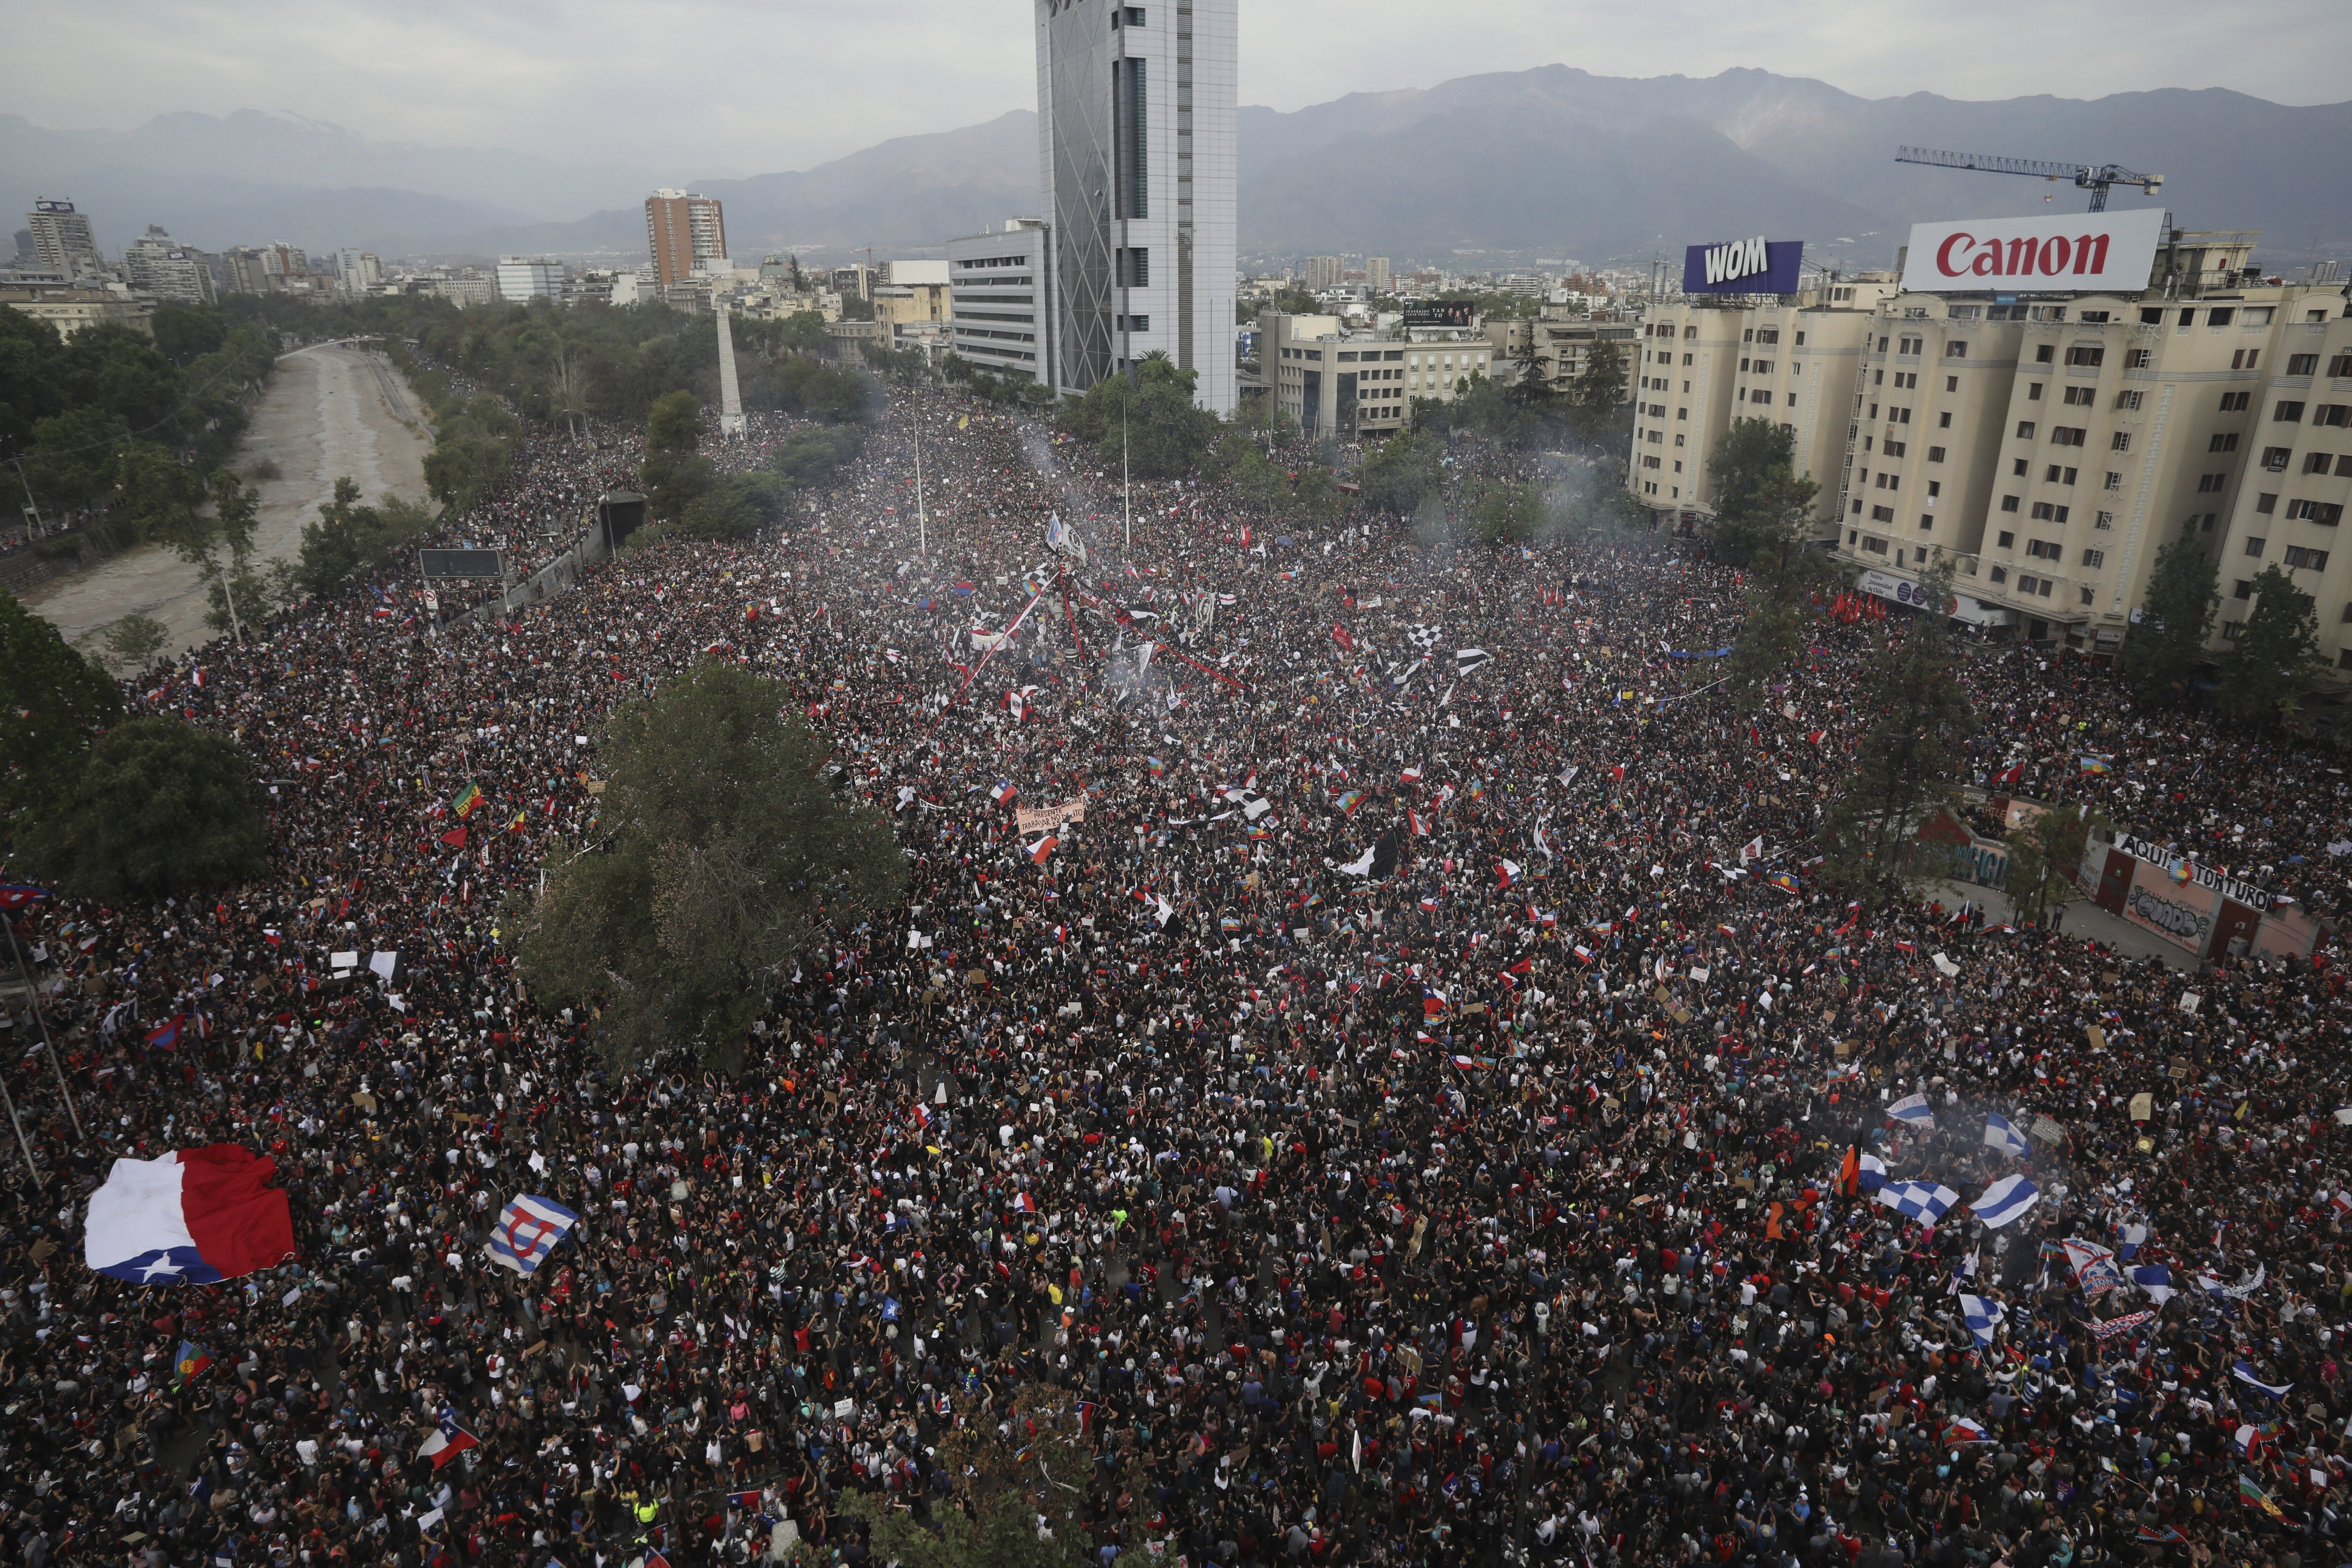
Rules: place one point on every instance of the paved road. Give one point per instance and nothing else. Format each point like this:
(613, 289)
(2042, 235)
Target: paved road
(330, 412)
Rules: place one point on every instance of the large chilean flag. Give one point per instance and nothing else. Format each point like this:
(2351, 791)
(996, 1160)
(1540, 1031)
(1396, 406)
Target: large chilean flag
(194, 1217)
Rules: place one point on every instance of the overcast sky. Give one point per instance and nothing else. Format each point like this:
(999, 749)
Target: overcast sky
(752, 86)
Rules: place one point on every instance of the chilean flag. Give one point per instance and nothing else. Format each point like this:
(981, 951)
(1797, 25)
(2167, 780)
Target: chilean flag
(194, 1217)
(446, 1441)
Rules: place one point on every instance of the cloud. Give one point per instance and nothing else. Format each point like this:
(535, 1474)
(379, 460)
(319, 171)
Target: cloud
(711, 88)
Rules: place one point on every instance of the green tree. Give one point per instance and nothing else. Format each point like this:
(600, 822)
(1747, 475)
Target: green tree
(133, 642)
(1397, 474)
(1533, 386)
(675, 471)
(1743, 467)
(2268, 668)
(803, 333)
(1783, 572)
(352, 540)
(53, 703)
(812, 455)
(737, 506)
(72, 462)
(199, 539)
(726, 851)
(154, 496)
(157, 808)
(185, 336)
(1508, 514)
(1902, 768)
(2043, 855)
(2167, 643)
(1152, 422)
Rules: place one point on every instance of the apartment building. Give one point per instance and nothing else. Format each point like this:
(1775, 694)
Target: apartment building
(2290, 509)
(70, 307)
(1000, 301)
(1376, 274)
(522, 279)
(63, 241)
(170, 273)
(1336, 381)
(1703, 361)
(1562, 348)
(684, 229)
(2054, 445)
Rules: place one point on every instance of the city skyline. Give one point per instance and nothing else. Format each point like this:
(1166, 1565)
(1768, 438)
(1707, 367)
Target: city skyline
(448, 78)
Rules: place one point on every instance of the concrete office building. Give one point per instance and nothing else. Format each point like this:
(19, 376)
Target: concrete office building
(2052, 445)
(70, 307)
(1000, 301)
(522, 279)
(1376, 274)
(683, 230)
(1702, 360)
(63, 242)
(357, 272)
(166, 272)
(1135, 149)
(1331, 380)
(1562, 348)
(2289, 510)
(1317, 273)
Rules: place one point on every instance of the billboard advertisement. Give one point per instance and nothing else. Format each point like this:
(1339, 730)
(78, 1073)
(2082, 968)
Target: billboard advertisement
(2051, 251)
(1438, 313)
(1758, 266)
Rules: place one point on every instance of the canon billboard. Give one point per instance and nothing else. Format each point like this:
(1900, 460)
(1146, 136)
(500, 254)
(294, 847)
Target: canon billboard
(2048, 254)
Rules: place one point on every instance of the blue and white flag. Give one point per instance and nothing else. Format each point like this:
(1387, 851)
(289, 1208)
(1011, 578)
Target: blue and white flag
(1918, 1200)
(2005, 1200)
(1912, 1108)
(2245, 1374)
(529, 1228)
(1982, 1317)
(2000, 1134)
(2153, 1278)
(1869, 1172)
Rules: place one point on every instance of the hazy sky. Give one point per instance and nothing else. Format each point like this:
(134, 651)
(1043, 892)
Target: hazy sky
(750, 86)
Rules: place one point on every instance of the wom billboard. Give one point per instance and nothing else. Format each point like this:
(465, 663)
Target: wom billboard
(1758, 266)
(2024, 255)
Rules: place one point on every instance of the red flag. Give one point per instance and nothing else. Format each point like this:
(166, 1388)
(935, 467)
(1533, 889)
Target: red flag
(455, 838)
(1340, 635)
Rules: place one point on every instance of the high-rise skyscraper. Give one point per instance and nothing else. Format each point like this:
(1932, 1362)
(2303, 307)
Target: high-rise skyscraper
(683, 230)
(1136, 137)
(1376, 274)
(62, 240)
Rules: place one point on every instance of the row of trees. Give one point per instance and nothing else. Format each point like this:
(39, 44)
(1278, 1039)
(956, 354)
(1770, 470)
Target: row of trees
(685, 490)
(90, 417)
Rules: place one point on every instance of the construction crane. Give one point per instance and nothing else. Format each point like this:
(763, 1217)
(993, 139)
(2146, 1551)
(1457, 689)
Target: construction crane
(2092, 177)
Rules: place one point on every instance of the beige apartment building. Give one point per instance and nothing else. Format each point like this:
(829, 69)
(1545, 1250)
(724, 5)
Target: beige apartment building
(1331, 380)
(70, 307)
(2290, 509)
(1704, 360)
(2054, 445)
(1562, 347)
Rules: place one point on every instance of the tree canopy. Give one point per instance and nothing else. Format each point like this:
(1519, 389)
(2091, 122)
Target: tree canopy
(158, 807)
(2167, 643)
(1164, 432)
(727, 846)
(2266, 672)
(53, 704)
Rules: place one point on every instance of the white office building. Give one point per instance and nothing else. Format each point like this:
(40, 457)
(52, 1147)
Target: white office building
(522, 277)
(1135, 151)
(1000, 301)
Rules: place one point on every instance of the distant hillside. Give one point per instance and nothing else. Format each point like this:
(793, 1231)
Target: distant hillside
(1553, 160)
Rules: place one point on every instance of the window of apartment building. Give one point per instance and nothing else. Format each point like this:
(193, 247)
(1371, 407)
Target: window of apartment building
(2327, 513)
(2265, 504)
(2059, 475)
(2332, 415)
(2341, 365)
(1999, 574)
(2048, 512)
(2067, 435)
(2005, 540)
(2302, 364)
(2043, 549)
(1898, 416)
(2114, 482)
(2102, 520)
(2099, 317)
(2285, 413)
(2221, 317)
(2033, 392)
(2046, 353)
(2239, 589)
(2017, 468)
(2025, 430)
(2094, 559)
(1935, 454)
(1874, 545)
(2316, 462)
(1896, 448)
(1772, 335)
(2212, 484)
(1944, 420)
(2151, 316)
(2303, 559)
(2086, 353)
(1909, 346)
(1886, 481)
(2255, 547)
(2274, 458)
(2119, 442)
(1927, 523)
(2234, 402)
(1956, 349)
(2127, 400)
(2029, 585)
(2223, 441)
(2009, 503)
(1881, 345)
(2083, 395)
(1686, 359)
(1882, 514)
(2137, 359)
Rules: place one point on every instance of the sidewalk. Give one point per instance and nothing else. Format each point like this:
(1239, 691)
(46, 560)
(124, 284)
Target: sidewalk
(2082, 918)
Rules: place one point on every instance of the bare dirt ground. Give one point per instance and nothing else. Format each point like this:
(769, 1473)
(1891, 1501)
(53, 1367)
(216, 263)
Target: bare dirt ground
(331, 411)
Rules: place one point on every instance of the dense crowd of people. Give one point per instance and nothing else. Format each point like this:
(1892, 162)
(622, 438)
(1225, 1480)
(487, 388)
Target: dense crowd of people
(1393, 1110)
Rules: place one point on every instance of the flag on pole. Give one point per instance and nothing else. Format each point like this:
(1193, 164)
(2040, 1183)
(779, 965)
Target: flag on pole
(446, 1440)
(1982, 1317)
(1912, 1110)
(466, 802)
(2005, 1200)
(2001, 1134)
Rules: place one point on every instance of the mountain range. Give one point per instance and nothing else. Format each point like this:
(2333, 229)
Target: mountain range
(1552, 161)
